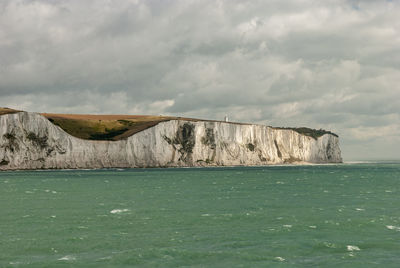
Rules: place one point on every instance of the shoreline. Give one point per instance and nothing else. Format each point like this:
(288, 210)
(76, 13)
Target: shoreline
(175, 167)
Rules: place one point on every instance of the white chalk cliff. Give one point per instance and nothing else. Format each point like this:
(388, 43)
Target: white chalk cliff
(31, 141)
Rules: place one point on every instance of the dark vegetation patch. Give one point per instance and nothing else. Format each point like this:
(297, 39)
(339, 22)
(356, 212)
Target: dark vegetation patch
(11, 144)
(277, 149)
(209, 138)
(9, 136)
(250, 146)
(37, 140)
(329, 151)
(4, 162)
(262, 158)
(127, 122)
(185, 138)
(314, 133)
(168, 140)
(292, 160)
(207, 161)
(108, 135)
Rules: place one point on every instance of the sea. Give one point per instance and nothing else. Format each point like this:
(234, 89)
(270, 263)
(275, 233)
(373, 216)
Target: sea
(338, 215)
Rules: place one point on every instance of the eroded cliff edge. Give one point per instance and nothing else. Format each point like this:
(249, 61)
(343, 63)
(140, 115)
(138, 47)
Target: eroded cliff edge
(30, 141)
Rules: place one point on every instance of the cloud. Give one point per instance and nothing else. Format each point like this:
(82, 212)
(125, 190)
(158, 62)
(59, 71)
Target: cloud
(328, 64)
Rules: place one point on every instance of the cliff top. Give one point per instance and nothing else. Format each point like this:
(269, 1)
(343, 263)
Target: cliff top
(104, 127)
(110, 127)
(6, 110)
(118, 127)
(313, 133)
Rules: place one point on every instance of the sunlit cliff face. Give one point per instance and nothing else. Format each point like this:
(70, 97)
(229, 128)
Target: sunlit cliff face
(30, 141)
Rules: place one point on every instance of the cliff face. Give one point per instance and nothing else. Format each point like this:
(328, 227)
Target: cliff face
(30, 141)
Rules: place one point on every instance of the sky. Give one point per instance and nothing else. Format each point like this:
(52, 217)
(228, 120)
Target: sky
(332, 64)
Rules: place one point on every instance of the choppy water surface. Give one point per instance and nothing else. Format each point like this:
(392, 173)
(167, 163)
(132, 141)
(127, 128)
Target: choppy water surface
(278, 216)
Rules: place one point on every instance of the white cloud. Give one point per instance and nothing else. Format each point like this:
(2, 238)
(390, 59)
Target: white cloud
(327, 64)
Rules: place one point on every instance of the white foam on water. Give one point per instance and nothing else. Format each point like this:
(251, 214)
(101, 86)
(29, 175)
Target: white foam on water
(352, 248)
(15, 263)
(118, 211)
(287, 226)
(279, 259)
(105, 258)
(28, 192)
(329, 245)
(360, 162)
(205, 215)
(67, 258)
(392, 227)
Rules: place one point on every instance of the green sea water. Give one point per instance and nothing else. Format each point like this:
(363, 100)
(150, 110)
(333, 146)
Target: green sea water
(278, 216)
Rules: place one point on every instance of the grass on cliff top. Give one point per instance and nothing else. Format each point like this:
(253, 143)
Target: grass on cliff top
(104, 127)
(109, 127)
(8, 111)
(314, 133)
(118, 127)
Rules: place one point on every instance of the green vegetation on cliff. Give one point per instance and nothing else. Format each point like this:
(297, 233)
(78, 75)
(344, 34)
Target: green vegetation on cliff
(118, 127)
(314, 133)
(104, 127)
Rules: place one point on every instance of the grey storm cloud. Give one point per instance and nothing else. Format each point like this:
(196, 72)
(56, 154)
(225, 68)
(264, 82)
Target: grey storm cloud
(323, 64)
